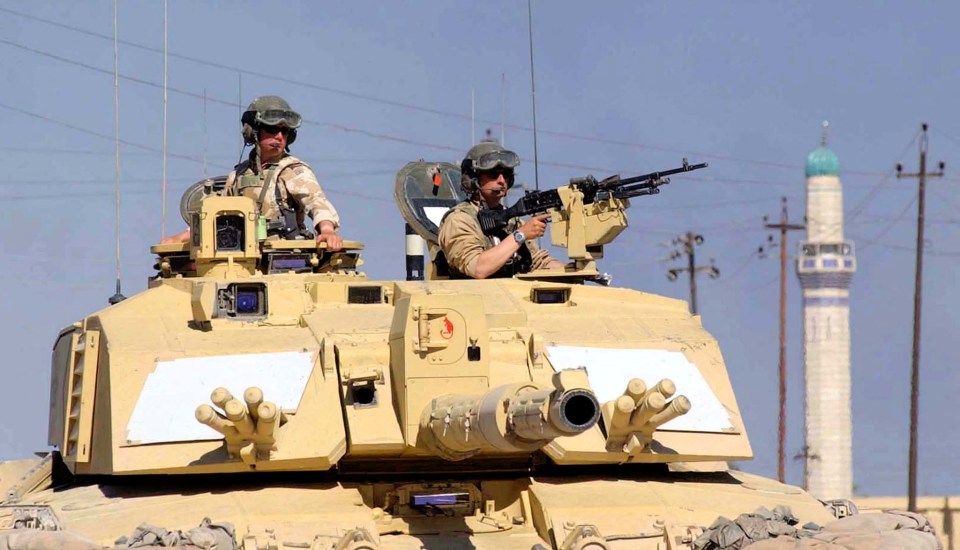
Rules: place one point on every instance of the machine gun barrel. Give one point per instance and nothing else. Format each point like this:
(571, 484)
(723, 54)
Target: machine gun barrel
(512, 418)
(536, 202)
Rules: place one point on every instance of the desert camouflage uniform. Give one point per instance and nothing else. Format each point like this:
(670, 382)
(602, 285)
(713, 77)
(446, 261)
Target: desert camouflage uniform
(298, 187)
(463, 241)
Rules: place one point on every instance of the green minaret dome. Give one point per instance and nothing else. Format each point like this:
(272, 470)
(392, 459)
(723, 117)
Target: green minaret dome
(823, 162)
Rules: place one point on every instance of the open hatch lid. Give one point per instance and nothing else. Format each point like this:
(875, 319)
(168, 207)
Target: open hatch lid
(424, 192)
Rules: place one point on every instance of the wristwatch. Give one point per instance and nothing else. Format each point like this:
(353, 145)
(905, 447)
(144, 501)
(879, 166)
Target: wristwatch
(518, 236)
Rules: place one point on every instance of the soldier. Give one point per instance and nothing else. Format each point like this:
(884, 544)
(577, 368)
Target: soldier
(284, 187)
(486, 175)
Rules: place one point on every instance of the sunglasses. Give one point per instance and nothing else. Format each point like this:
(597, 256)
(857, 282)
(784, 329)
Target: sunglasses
(507, 173)
(274, 129)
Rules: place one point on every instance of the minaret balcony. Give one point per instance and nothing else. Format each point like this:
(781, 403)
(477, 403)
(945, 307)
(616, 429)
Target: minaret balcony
(826, 265)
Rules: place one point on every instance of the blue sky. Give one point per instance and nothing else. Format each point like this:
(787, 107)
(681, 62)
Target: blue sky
(622, 87)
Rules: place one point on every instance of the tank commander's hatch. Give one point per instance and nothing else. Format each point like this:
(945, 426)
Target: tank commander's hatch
(424, 192)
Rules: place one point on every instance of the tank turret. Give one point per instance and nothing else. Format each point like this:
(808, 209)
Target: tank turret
(266, 384)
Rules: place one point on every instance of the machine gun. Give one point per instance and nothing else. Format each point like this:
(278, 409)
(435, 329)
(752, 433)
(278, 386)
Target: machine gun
(536, 202)
(585, 214)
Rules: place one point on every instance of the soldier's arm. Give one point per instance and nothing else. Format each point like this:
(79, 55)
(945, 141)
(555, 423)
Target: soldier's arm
(462, 242)
(302, 185)
(180, 237)
(327, 233)
(542, 259)
(490, 261)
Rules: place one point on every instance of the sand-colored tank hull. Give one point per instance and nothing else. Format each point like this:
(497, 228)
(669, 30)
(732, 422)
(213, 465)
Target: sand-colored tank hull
(511, 511)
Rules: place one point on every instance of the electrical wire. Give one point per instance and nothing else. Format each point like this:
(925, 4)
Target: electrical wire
(857, 210)
(867, 243)
(410, 106)
(400, 139)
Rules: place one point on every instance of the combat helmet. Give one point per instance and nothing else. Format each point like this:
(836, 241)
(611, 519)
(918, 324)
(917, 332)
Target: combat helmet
(269, 110)
(484, 156)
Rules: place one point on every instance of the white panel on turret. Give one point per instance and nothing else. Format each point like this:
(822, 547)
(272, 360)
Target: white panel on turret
(610, 369)
(165, 409)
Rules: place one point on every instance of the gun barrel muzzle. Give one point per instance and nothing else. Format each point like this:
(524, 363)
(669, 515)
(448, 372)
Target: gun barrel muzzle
(511, 418)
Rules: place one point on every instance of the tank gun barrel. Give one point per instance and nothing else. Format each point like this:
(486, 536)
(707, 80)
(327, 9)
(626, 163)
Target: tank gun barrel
(519, 417)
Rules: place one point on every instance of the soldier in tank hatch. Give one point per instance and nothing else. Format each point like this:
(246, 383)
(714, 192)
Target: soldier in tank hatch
(284, 187)
(487, 172)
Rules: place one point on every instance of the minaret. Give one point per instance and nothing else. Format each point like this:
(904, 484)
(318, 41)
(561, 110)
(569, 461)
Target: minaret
(825, 266)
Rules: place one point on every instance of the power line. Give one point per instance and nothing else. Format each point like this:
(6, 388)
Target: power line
(911, 248)
(198, 158)
(92, 132)
(740, 269)
(394, 103)
(338, 126)
(377, 135)
(857, 210)
(876, 238)
(154, 192)
(68, 182)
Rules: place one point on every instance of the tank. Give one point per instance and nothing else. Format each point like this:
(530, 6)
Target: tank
(263, 393)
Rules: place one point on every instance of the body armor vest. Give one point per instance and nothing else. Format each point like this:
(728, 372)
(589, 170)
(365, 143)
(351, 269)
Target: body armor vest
(290, 221)
(521, 262)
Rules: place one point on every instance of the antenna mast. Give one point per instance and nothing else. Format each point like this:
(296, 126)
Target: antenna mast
(205, 136)
(118, 297)
(240, 109)
(533, 98)
(503, 108)
(163, 190)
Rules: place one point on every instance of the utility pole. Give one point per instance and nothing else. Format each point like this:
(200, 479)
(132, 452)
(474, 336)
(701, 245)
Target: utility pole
(690, 241)
(921, 176)
(783, 227)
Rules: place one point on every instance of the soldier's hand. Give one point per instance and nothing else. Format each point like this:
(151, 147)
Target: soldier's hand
(535, 227)
(334, 241)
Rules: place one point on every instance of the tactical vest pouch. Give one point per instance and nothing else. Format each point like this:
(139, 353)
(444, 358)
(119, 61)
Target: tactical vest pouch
(249, 186)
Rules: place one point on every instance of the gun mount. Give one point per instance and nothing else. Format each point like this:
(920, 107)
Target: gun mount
(585, 214)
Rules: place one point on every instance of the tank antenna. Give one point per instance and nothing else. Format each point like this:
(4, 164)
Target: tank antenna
(163, 186)
(503, 108)
(243, 143)
(206, 138)
(533, 98)
(118, 297)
